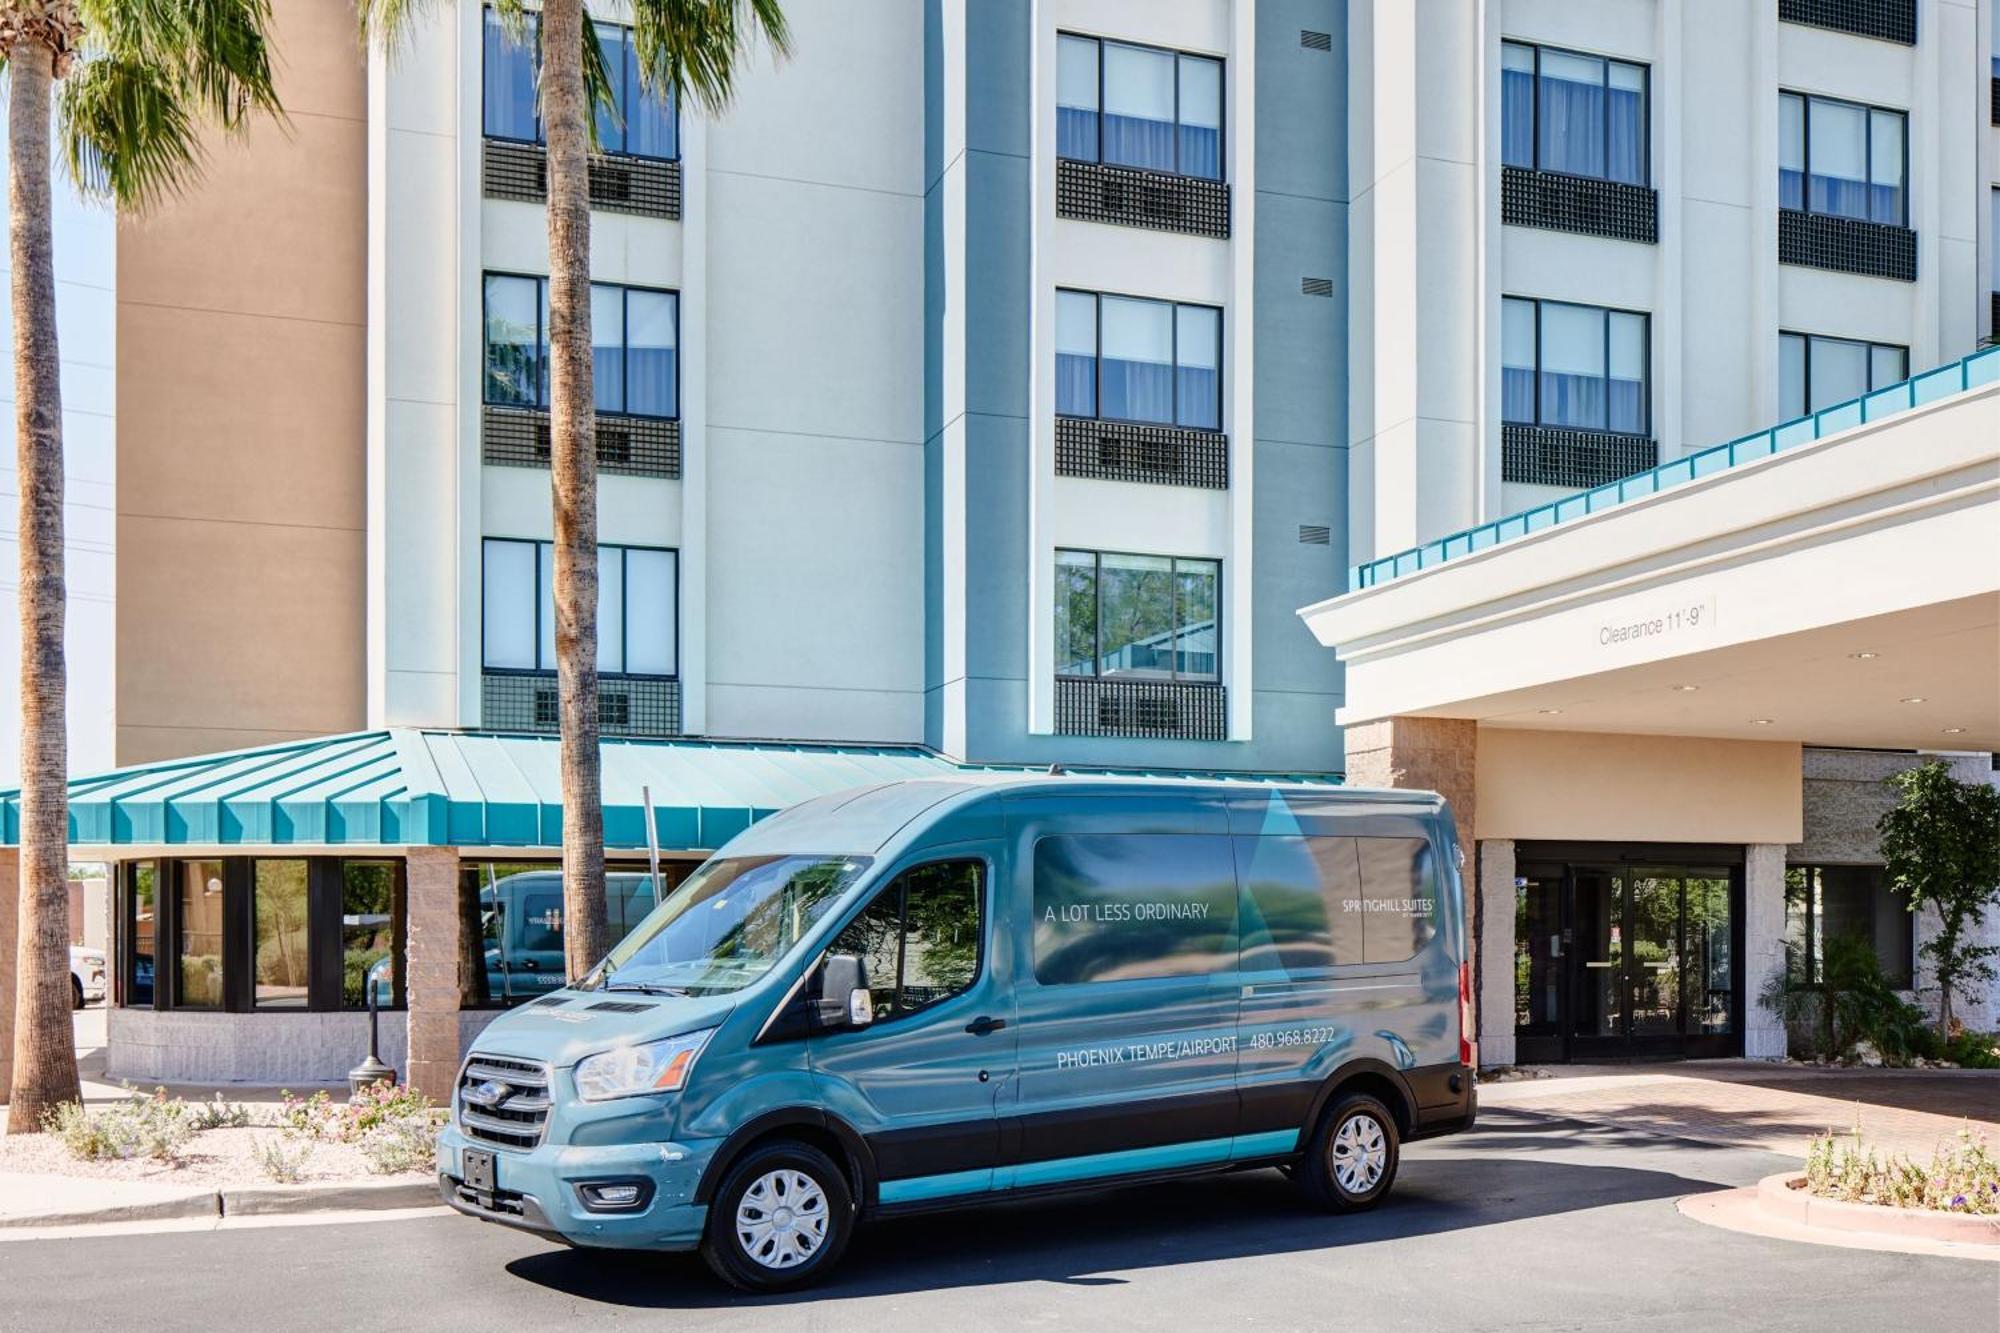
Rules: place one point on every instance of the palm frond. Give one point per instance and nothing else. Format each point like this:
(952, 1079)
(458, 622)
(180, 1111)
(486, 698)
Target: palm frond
(694, 48)
(127, 134)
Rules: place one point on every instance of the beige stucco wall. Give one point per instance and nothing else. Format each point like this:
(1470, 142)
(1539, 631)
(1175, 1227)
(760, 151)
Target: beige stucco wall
(1605, 787)
(241, 400)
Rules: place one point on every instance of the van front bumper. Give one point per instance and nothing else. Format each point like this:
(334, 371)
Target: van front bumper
(543, 1191)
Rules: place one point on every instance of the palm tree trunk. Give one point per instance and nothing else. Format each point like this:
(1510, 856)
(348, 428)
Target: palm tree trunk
(44, 1043)
(573, 480)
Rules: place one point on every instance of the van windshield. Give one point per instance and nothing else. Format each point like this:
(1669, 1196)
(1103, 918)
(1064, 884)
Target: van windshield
(732, 921)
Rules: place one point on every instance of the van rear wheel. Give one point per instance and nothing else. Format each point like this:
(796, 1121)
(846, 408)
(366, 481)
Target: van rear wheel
(1352, 1158)
(780, 1220)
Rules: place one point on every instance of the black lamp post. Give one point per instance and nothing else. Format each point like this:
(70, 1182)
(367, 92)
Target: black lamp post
(370, 1071)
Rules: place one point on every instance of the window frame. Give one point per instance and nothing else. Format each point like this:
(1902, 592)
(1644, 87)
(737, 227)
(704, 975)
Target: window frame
(1535, 111)
(1868, 110)
(1222, 117)
(1097, 618)
(1868, 346)
(897, 882)
(541, 403)
(1174, 309)
(624, 609)
(1645, 357)
(534, 39)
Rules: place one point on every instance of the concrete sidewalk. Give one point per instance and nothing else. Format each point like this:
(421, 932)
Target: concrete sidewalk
(1776, 1108)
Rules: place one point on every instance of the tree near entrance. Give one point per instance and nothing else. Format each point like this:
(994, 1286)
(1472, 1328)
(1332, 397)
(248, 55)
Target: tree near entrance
(132, 85)
(686, 47)
(1941, 844)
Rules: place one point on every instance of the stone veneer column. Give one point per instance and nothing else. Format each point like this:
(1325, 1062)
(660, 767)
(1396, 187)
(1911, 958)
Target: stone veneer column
(10, 933)
(1496, 952)
(1763, 947)
(432, 981)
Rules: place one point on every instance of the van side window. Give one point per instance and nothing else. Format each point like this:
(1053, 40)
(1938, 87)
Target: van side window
(1125, 906)
(1312, 902)
(919, 938)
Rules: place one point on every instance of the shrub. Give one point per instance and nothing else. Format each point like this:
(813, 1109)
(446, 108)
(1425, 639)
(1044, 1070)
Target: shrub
(1963, 1177)
(396, 1146)
(218, 1114)
(283, 1156)
(1850, 1002)
(85, 1136)
(1974, 1050)
(158, 1127)
(314, 1117)
(385, 1103)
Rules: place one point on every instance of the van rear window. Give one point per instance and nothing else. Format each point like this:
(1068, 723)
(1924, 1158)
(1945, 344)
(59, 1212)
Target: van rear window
(1121, 907)
(1324, 902)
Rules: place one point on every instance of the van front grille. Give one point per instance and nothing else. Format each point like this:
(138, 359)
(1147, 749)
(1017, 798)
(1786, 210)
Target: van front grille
(503, 1101)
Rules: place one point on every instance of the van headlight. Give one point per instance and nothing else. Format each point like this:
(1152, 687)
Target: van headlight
(634, 1071)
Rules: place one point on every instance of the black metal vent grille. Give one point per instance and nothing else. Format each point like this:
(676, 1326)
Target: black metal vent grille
(1127, 451)
(1316, 286)
(1579, 204)
(1094, 192)
(1140, 709)
(1557, 456)
(628, 446)
(1315, 534)
(1847, 245)
(637, 185)
(1996, 99)
(1315, 41)
(503, 1101)
(626, 705)
(1885, 20)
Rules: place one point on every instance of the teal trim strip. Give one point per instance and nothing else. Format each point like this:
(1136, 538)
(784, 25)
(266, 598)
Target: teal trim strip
(1961, 376)
(1132, 1161)
(1273, 1143)
(918, 1188)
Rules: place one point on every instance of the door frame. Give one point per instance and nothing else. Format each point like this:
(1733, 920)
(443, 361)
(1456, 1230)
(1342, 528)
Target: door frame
(1563, 862)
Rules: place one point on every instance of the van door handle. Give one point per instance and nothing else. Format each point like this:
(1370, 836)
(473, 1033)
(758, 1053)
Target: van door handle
(982, 1025)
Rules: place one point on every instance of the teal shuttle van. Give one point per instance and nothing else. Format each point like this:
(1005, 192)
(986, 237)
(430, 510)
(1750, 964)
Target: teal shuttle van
(934, 994)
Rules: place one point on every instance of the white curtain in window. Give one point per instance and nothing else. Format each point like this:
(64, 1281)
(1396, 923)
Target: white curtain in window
(1572, 366)
(1625, 120)
(1138, 107)
(1198, 366)
(1839, 371)
(652, 612)
(1791, 376)
(652, 379)
(508, 605)
(1791, 151)
(1517, 359)
(1885, 167)
(1572, 104)
(1076, 354)
(1137, 375)
(611, 608)
(546, 555)
(1626, 392)
(1076, 98)
(607, 346)
(1517, 104)
(1201, 117)
(1837, 158)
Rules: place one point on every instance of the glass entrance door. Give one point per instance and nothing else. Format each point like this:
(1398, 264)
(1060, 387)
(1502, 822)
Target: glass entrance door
(1613, 962)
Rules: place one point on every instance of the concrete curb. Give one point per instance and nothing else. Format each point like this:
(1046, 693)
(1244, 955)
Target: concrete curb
(1777, 1196)
(249, 1200)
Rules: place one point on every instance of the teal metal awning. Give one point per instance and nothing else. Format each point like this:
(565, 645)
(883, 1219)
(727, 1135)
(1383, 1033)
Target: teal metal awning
(406, 787)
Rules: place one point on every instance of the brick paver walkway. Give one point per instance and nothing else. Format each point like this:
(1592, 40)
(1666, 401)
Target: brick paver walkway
(1777, 1108)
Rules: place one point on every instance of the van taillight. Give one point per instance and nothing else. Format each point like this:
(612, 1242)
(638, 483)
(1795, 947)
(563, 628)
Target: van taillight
(1468, 1051)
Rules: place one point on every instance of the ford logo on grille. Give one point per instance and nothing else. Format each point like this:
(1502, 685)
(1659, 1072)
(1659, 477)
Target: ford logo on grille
(490, 1093)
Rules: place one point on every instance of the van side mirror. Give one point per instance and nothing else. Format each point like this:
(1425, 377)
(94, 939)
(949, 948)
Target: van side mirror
(844, 1001)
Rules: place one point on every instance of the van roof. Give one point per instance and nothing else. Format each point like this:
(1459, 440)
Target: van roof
(865, 819)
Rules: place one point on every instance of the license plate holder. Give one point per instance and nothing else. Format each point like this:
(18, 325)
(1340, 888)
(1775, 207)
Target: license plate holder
(477, 1164)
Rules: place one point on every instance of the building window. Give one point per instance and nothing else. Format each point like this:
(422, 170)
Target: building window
(637, 608)
(1138, 106)
(280, 960)
(1827, 903)
(373, 925)
(1576, 114)
(635, 337)
(642, 124)
(516, 908)
(141, 914)
(1125, 358)
(198, 920)
(1576, 366)
(1815, 372)
(1144, 616)
(1842, 159)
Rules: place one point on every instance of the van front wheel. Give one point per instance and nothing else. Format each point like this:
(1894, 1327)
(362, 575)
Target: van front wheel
(780, 1219)
(1351, 1162)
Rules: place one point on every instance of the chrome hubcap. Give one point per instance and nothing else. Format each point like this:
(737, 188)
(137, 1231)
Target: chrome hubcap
(781, 1219)
(1360, 1153)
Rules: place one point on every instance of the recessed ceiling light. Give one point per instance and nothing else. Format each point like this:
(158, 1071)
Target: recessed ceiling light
(1914, 699)
(1551, 712)
(1864, 657)
(1686, 689)
(1762, 721)
(1954, 731)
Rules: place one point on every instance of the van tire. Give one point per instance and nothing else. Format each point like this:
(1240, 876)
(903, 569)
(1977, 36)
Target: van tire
(1351, 1160)
(781, 1169)
(75, 992)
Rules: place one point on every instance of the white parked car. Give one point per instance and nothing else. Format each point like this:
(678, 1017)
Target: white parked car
(86, 976)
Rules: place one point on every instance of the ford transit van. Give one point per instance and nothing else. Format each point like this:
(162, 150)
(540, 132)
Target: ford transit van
(933, 994)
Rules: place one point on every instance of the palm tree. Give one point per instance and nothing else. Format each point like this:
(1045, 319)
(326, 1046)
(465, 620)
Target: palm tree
(130, 85)
(686, 47)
